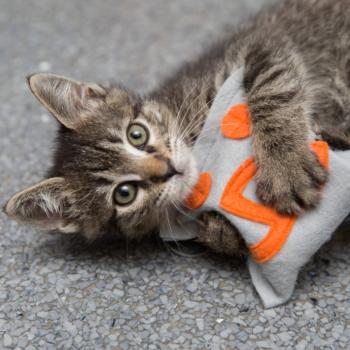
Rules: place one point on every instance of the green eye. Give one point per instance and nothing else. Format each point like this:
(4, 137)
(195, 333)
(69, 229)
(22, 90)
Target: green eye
(137, 135)
(125, 193)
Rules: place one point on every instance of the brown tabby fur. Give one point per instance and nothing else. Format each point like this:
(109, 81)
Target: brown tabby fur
(296, 59)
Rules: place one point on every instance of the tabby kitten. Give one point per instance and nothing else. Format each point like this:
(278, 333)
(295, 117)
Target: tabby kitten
(122, 160)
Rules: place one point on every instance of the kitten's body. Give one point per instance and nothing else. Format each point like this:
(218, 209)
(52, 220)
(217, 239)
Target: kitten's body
(295, 54)
(307, 38)
(296, 60)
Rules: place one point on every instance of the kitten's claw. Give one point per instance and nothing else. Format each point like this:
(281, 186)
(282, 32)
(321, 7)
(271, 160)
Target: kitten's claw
(293, 186)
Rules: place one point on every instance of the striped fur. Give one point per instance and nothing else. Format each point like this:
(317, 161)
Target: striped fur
(296, 59)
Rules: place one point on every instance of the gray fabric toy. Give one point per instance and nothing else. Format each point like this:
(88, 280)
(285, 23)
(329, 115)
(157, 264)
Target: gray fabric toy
(279, 245)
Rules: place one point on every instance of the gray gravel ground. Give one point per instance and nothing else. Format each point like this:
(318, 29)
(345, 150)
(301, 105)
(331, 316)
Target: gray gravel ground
(56, 294)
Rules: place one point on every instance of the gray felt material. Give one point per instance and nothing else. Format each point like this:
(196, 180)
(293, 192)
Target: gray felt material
(56, 295)
(222, 157)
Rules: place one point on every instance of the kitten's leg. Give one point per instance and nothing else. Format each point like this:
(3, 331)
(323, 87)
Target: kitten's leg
(332, 111)
(289, 176)
(217, 233)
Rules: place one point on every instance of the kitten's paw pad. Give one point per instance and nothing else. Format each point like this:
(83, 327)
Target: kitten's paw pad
(294, 187)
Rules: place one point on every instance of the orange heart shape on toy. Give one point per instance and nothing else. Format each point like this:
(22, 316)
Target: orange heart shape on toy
(236, 122)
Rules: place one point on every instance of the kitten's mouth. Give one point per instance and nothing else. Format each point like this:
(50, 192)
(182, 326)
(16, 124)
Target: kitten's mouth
(172, 172)
(183, 177)
(181, 184)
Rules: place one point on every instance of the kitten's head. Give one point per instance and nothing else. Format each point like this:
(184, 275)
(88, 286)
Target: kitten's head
(120, 162)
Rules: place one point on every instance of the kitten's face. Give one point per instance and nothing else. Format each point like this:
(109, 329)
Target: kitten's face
(120, 162)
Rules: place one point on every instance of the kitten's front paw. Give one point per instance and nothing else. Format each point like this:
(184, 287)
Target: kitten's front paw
(293, 185)
(217, 233)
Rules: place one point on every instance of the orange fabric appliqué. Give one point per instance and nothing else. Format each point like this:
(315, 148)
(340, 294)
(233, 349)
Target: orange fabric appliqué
(236, 122)
(200, 192)
(234, 202)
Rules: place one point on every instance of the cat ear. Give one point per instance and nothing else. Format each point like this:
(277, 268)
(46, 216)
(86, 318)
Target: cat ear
(65, 98)
(41, 205)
